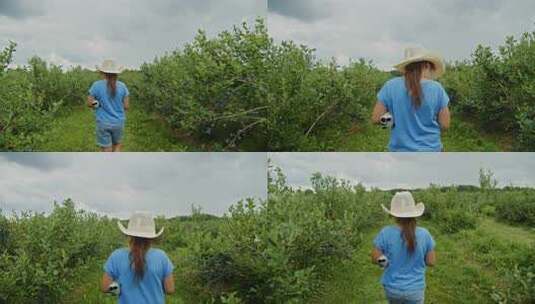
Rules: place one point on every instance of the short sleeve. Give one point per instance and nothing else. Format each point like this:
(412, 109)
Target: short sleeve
(443, 98)
(110, 267)
(379, 242)
(167, 266)
(126, 92)
(384, 97)
(93, 90)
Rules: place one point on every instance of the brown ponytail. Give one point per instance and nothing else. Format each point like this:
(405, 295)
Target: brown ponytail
(111, 80)
(408, 232)
(138, 249)
(413, 76)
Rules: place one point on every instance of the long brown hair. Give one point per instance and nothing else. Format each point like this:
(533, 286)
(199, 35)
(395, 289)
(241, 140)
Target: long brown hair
(111, 80)
(138, 249)
(408, 231)
(413, 75)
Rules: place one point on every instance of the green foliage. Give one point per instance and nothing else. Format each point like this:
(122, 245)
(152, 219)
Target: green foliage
(280, 250)
(498, 89)
(313, 104)
(30, 96)
(517, 209)
(213, 89)
(44, 253)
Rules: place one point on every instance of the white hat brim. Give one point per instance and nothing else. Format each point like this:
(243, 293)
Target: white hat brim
(417, 211)
(437, 61)
(118, 71)
(139, 233)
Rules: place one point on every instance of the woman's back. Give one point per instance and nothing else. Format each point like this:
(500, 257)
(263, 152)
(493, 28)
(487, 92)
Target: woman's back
(405, 271)
(111, 110)
(147, 290)
(416, 129)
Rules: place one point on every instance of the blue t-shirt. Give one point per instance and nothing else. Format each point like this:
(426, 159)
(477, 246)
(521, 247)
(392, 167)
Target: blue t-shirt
(111, 110)
(415, 129)
(150, 288)
(405, 271)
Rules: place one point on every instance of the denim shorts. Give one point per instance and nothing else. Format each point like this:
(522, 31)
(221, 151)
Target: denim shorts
(405, 297)
(109, 135)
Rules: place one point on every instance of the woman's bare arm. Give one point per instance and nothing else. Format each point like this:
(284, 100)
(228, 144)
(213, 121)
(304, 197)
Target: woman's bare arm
(169, 284)
(378, 111)
(431, 258)
(444, 118)
(106, 282)
(126, 103)
(376, 253)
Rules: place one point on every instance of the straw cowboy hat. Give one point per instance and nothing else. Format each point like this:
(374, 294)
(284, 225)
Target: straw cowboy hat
(140, 225)
(110, 67)
(413, 55)
(403, 206)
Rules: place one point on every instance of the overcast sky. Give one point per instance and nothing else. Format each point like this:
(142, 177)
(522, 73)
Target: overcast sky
(119, 184)
(381, 29)
(130, 31)
(413, 170)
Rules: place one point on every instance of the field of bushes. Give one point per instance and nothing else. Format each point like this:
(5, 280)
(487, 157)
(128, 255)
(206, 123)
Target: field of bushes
(324, 106)
(211, 93)
(240, 90)
(299, 246)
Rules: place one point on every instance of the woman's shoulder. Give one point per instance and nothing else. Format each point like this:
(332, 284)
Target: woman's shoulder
(389, 229)
(433, 84)
(422, 231)
(120, 252)
(157, 252)
(395, 81)
(121, 84)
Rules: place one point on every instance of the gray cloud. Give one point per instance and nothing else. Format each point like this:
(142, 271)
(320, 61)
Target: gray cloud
(305, 10)
(40, 161)
(162, 183)
(414, 170)
(20, 9)
(77, 32)
(381, 29)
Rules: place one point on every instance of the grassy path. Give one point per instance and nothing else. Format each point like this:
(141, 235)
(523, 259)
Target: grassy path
(461, 137)
(459, 277)
(74, 131)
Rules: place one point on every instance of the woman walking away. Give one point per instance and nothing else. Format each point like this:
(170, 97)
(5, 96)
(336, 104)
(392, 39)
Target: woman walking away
(139, 273)
(416, 104)
(403, 251)
(109, 98)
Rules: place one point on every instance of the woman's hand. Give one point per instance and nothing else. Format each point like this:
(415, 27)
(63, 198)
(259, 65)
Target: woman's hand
(169, 284)
(126, 103)
(106, 282)
(376, 254)
(431, 258)
(444, 118)
(378, 111)
(90, 101)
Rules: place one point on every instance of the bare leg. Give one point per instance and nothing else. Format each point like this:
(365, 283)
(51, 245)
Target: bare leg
(108, 149)
(117, 148)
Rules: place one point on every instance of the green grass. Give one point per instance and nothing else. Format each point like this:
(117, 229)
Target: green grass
(460, 276)
(74, 131)
(463, 136)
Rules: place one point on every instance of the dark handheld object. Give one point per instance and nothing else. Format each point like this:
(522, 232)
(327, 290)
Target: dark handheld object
(387, 121)
(114, 289)
(382, 261)
(95, 104)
